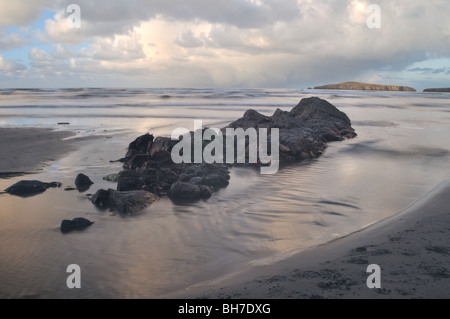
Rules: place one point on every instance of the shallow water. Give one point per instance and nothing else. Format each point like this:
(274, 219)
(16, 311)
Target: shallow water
(402, 151)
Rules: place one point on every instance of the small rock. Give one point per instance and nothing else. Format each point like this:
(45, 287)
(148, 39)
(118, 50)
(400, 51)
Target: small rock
(75, 224)
(83, 183)
(101, 198)
(196, 181)
(185, 191)
(215, 181)
(30, 188)
(206, 191)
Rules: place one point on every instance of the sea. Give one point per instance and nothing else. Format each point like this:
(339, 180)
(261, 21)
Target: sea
(402, 151)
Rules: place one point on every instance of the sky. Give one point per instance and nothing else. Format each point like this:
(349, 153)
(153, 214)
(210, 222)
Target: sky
(223, 43)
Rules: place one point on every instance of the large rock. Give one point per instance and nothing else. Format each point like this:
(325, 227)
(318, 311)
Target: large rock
(30, 188)
(141, 145)
(124, 202)
(324, 119)
(162, 144)
(305, 130)
(75, 224)
(129, 180)
(303, 134)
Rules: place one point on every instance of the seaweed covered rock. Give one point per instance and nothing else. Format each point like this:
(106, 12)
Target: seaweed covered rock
(123, 202)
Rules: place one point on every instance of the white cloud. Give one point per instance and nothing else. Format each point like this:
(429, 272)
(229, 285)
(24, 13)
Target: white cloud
(23, 12)
(10, 67)
(11, 41)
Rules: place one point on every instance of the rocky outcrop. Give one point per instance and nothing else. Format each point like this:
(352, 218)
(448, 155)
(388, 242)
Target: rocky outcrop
(364, 87)
(149, 171)
(30, 188)
(442, 90)
(123, 202)
(305, 130)
(75, 224)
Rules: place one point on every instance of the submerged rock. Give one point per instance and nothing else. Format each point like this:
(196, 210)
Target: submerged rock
(83, 183)
(30, 188)
(124, 202)
(75, 224)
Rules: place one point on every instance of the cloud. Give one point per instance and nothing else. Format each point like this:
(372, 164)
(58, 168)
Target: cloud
(9, 67)
(187, 39)
(418, 69)
(106, 18)
(11, 41)
(438, 71)
(231, 43)
(429, 70)
(23, 12)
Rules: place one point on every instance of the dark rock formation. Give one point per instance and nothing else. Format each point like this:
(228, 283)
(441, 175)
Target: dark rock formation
(123, 202)
(83, 183)
(305, 130)
(30, 188)
(149, 171)
(75, 224)
(364, 87)
(442, 90)
(141, 145)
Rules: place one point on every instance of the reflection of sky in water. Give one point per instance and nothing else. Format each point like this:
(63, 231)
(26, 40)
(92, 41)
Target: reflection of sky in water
(401, 152)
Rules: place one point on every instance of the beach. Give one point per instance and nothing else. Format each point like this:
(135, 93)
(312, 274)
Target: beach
(27, 150)
(265, 236)
(410, 247)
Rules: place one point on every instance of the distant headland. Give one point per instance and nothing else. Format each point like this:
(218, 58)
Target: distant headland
(443, 90)
(364, 87)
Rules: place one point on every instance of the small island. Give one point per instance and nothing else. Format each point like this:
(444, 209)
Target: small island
(364, 87)
(443, 90)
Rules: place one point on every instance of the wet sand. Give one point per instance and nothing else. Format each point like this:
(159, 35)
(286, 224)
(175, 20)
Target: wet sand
(411, 248)
(28, 150)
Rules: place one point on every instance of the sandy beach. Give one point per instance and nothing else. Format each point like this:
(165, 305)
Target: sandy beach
(410, 247)
(27, 150)
(277, 236)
